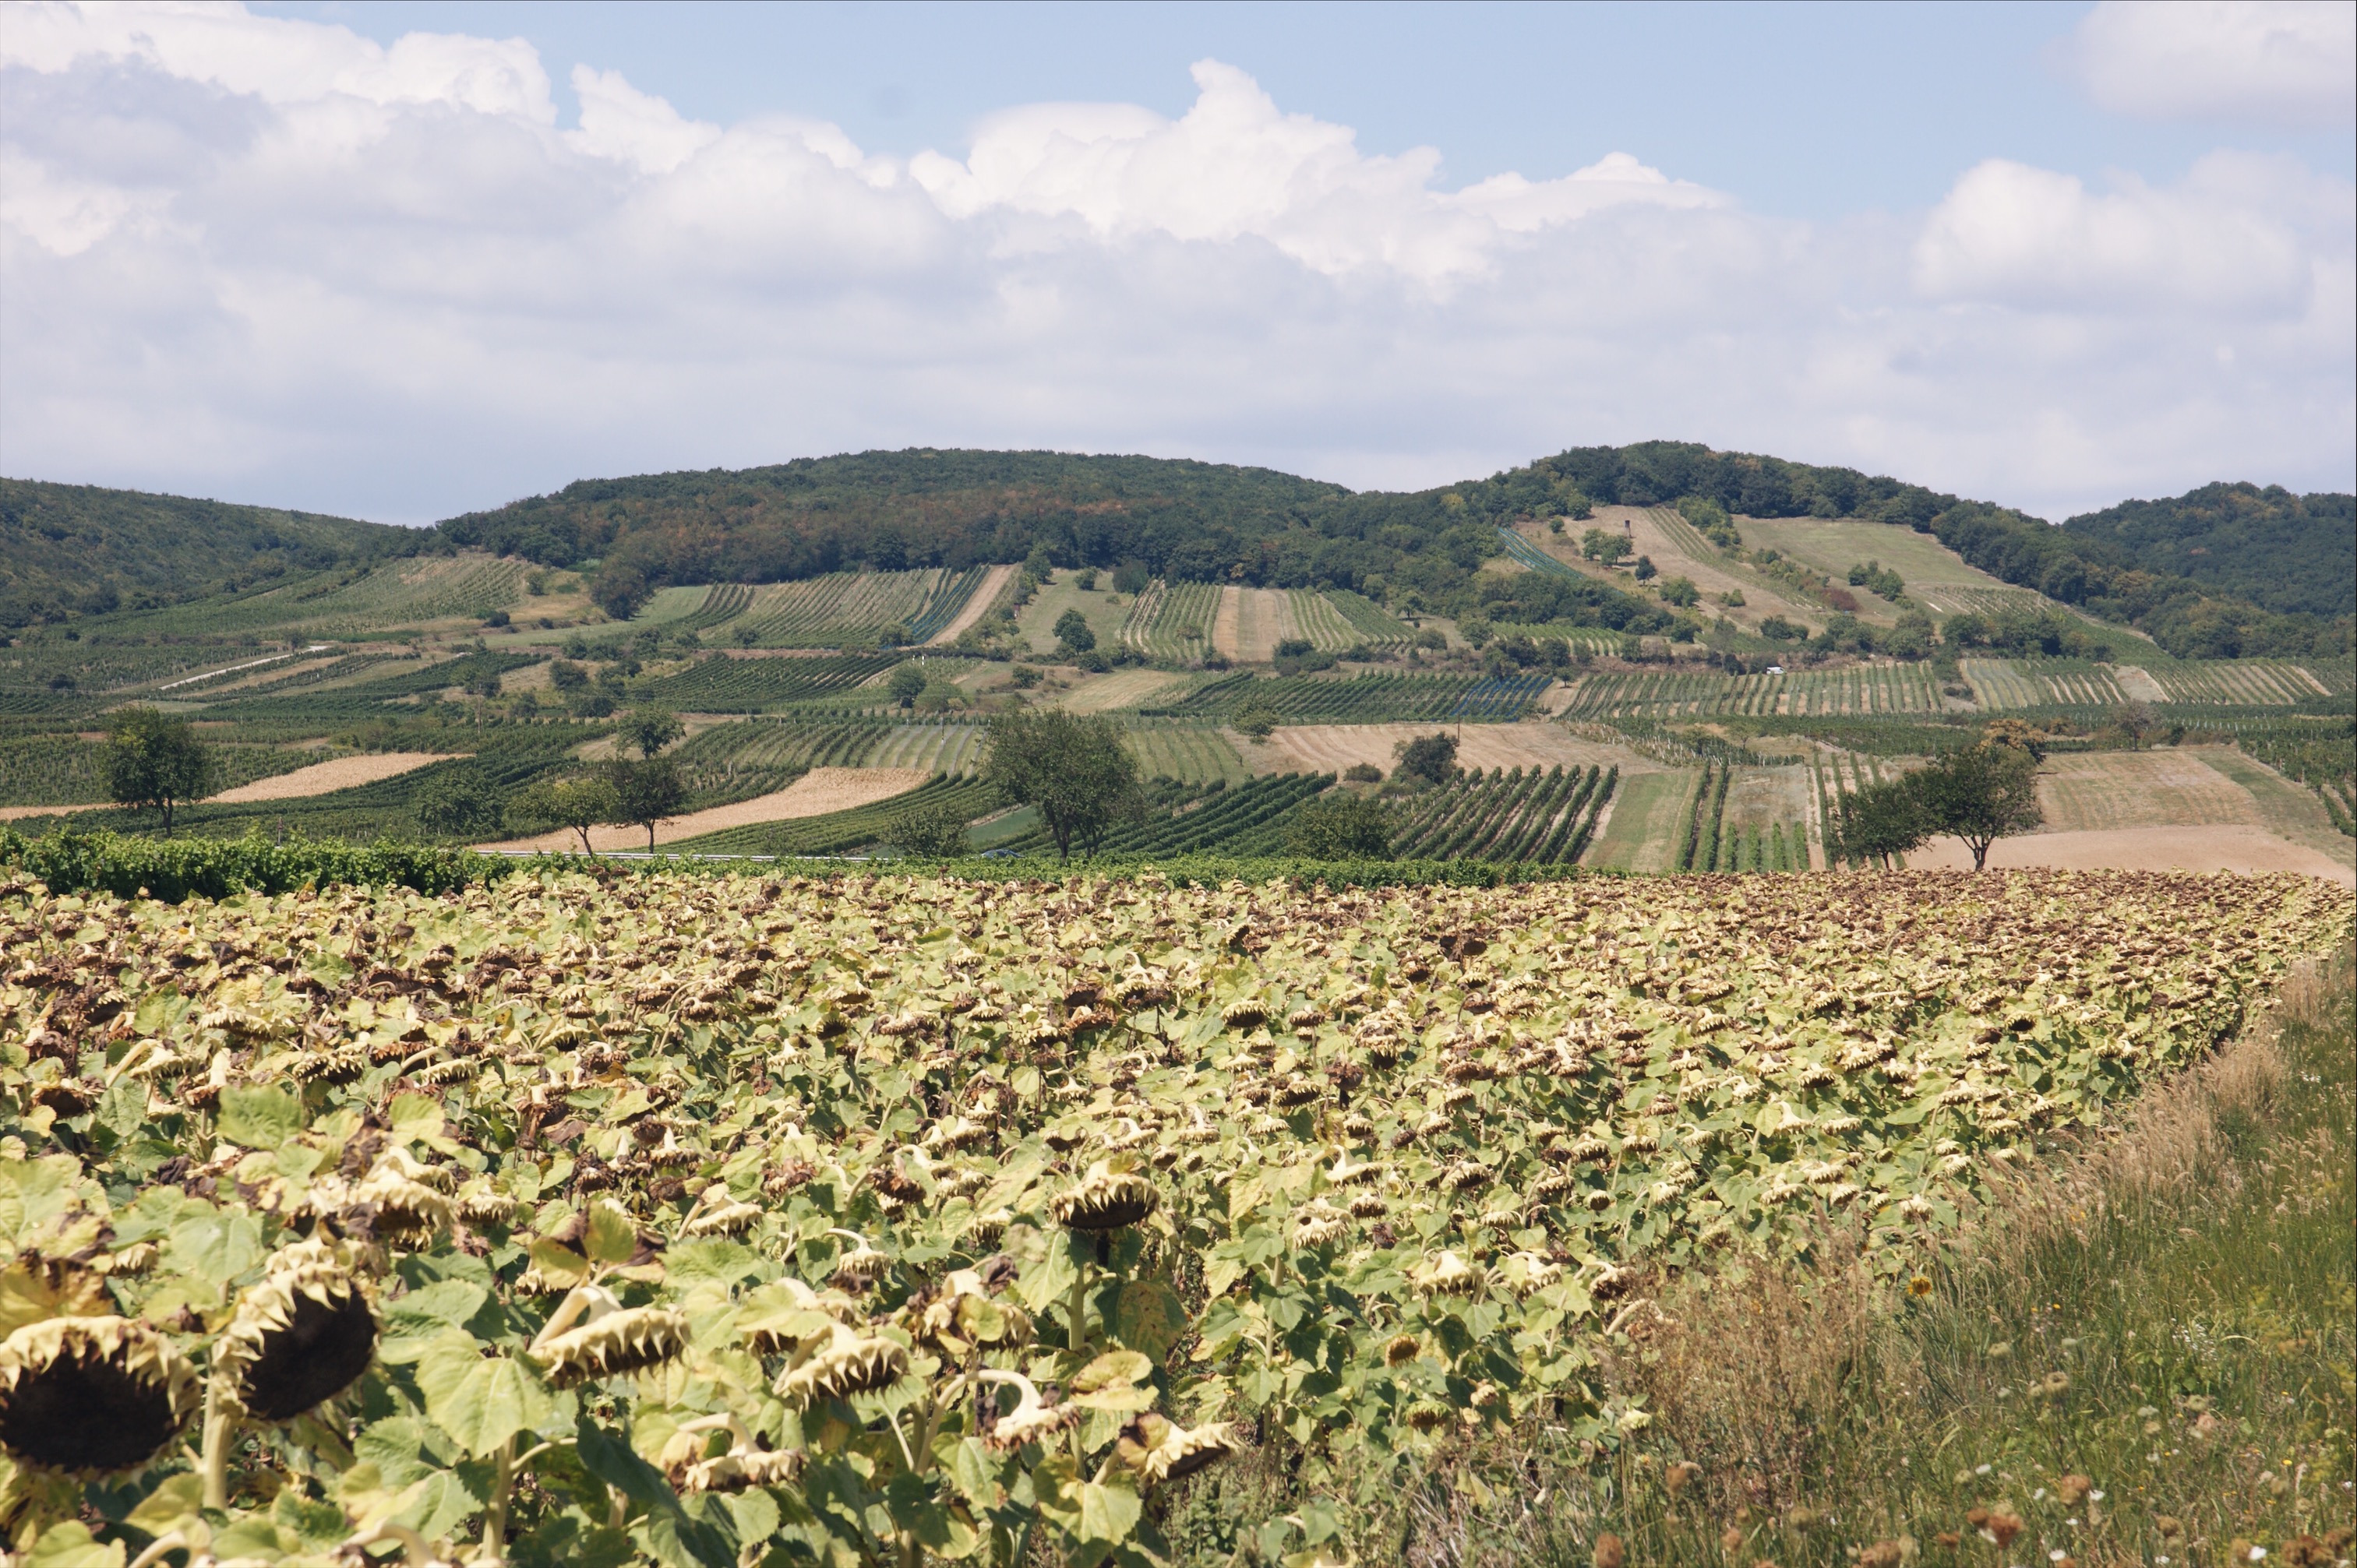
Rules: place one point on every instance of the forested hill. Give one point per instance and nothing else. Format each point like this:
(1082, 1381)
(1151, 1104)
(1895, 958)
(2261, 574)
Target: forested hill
(78, 549)
(2292, 554)
(1212, 522)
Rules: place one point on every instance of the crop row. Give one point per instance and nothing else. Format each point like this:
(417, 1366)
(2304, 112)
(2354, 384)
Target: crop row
(1172, 621)
(1370, 623)
(838, 833)
(838, 609)
(1250, 819)
(719, 683)
(1859, 689)
(2237, 683)
(1364, 699)
(67, 770)
(1544, 815)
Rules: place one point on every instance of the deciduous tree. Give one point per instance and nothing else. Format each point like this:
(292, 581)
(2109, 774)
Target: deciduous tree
(1075, 771)
(154, 760)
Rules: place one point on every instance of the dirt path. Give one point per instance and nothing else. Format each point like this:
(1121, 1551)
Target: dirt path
(1329, 749)
(321, 777)
(1226, 622)
(814, 794)
(2230, 847)
(985, 596)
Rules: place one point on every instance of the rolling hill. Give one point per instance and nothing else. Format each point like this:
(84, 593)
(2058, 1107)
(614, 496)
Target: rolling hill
(2288, 553)
(68, 550)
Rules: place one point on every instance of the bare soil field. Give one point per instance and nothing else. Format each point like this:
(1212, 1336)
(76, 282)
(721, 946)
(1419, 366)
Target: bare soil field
(1329, 749)
(2226, 847)
(321, 777)
(814, 794)
(977, 607)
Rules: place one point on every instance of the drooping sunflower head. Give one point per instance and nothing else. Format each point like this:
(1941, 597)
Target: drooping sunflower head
(850, 1363)
(403, 1210)
(91, 1396)
(1106, 1199)
(613, 1341)
(1160, 1450)
(300, 1338)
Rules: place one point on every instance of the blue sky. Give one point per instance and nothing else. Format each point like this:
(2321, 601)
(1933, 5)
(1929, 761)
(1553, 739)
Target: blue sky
(1811, 111)
(399, 261)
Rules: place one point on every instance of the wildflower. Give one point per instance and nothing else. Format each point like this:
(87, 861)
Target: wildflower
(1920, 1286)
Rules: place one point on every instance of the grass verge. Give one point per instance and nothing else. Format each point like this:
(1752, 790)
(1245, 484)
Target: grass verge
(2144, 1351)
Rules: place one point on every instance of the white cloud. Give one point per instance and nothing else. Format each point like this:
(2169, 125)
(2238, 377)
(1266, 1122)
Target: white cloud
(2290, 62)
(2228, 238)
(1235, 167)
(277, 262)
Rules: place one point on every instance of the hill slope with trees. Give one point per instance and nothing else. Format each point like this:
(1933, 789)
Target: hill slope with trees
(1202, 522)
(68, 550)
(2291, 554)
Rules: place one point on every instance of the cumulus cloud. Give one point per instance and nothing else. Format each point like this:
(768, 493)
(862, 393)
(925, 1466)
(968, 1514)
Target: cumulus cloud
(277, 262)
(2284, 62)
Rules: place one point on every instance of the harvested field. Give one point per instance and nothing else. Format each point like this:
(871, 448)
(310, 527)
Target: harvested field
(2229, 847)
(994, 583)
(322, 777)
(1329, 749)
(814, 794)
(1125, 689)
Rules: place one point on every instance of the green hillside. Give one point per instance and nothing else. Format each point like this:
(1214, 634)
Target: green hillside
(1188, 521)
(2289, 553)
(70, 550)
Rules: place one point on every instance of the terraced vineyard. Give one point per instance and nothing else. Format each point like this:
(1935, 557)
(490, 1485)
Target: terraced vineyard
(1369, 699)
(1855, 690)
(877, 1219)
(1172, 621)
(836, 610)
(1194, 753)
(1544, 815)
(840, 833)
(1370, 623)
(719, 683)
(1252, 818)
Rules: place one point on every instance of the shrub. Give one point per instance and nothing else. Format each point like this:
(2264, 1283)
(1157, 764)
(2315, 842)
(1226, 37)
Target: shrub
(1341, 826)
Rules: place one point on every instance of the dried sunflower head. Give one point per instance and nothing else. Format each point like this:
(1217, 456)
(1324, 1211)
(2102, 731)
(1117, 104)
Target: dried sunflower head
(1160, 1450)
(1106, 1199)
(612, 1340)
(91, 1396)
(1031, 1420)
(1319, 1224)
(404, 1210)
(1449, 1274)
(849, 1364)
(300, 1338)
(724, 1216)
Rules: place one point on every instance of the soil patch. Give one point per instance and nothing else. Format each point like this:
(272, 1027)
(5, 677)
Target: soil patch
(1329, 749)
(322, 777)
(2226, 847)
(985, 596)
(814, 794)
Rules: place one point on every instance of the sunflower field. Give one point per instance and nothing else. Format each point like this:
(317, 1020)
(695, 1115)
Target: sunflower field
(716, 1223)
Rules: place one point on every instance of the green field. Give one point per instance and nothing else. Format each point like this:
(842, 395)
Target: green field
(1171, 621)
(1853, 690)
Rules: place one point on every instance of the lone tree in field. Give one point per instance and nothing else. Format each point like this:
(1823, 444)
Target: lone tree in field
(907, 685)
(934, 831)
(1431, 758)
(2134, 720)
(1979, 794)
(1075, 771)
(1341, 826)
(575, 804)
(1880, 822)
(156, 761)
(645, 792)
(649, 730)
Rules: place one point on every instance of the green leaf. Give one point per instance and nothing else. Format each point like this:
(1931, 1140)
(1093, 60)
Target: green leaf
(1108, 1511)
(68, 1545)
(170, 1506)
(1114, 1368)
(418, 1118)
(1148, 1318)
(481, 1400)
(404, 1449)
(215, 1245)
(755, 1516)
(609, 1458)
(718, 1260)
(261, 1118)
(612, 1238)
(444, 1304)
(318, 1525)
(677, 1541)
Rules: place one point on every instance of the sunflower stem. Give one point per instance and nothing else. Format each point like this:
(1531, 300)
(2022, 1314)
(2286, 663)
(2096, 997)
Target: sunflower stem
(219, 1422)
(495, 1513)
